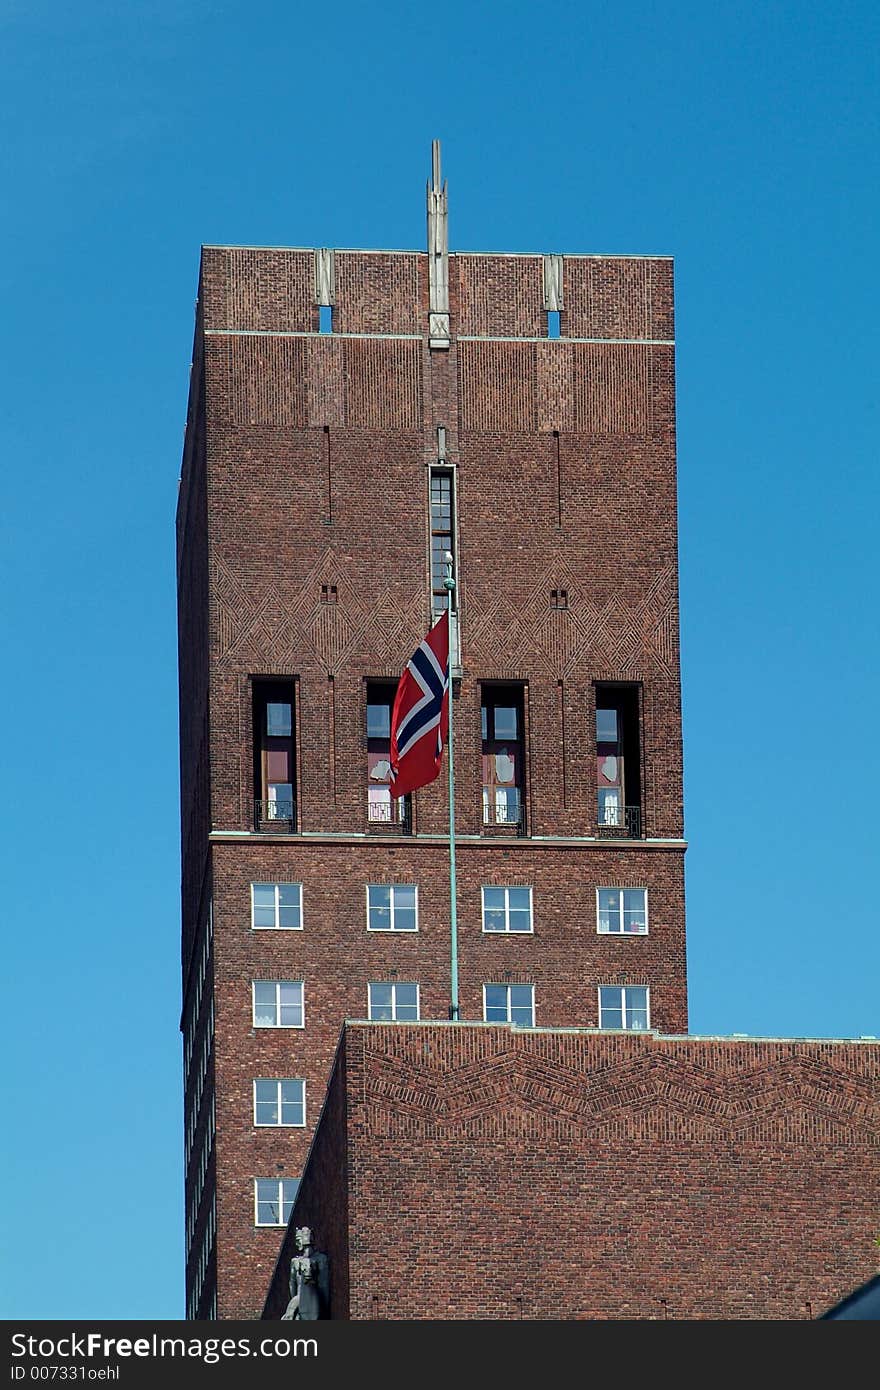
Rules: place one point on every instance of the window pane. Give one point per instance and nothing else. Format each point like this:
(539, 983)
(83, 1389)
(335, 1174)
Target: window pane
(292, 1102)
(291, 996)
(379, 907)
(606, 725)
(407, 1002)
(609, 910)
(637, 1008)
(264, 904)
(496, 1003)
(277, 765)
(505, 721)
(380, 1003)
(289, 905)
(494, 918)
(610, 1007)
(289, 1189)
(379, 721)
(405, 908)
(265, 1014)
(267, 1202)
(280, 805)
(266, 1096)
(521, 1005)
(635, 909)
(278, 722)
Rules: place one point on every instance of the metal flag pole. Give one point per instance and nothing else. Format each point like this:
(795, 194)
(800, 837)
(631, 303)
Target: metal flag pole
(449, 585)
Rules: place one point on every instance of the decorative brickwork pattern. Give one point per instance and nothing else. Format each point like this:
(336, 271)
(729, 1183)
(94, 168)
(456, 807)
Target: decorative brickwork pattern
(497, 383)
(246, 290)
(500, 296)
(702, 1091)
(630, 640)
(593, 388)
(612, 297)
(264, 380)
(379, 292)
(383, 387)
(275, 631)
(325, 359)
(613, 389)
(688, 1178)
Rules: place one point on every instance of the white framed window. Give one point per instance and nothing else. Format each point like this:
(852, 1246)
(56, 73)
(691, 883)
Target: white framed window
(392, 907)
(278, 1003)
(273, 1200)
(507, 909)
(622, 911)
(280, 1102)
(393, 1003)
(624, 1006)
(276, 906)
(509, 1004)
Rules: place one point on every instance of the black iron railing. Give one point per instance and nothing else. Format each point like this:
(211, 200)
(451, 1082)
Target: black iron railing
(275, 815)
(509, 817)
(394, 815)
(621, 822)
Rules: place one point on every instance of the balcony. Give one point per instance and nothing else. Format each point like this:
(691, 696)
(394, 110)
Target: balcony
(503, 814)
(620, 823)
(275, 817)
(392, 816)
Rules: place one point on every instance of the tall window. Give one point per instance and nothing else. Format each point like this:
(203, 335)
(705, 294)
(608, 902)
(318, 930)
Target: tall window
(280, 1102)
(382, 807)
(274, 752)
(442, 537)
(393, 1003)
(623, 1006)
(618, 747)
(501, 716)
(273, 1200)
(509, 1004)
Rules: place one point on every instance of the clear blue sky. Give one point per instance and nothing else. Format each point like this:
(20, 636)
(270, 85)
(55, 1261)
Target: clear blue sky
(741, 139)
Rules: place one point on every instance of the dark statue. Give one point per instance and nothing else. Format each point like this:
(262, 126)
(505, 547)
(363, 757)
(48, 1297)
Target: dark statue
(309, 1282)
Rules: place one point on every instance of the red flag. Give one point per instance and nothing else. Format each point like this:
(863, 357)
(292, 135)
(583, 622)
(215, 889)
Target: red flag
(420, 718)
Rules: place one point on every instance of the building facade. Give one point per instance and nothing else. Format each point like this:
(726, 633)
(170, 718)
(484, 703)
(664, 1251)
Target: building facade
(353, 417)
(477, 1171)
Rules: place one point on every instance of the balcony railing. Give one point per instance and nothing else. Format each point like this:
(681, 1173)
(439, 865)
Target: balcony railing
(509, 817)
(394, 815)
(620, 822)
(279, 816)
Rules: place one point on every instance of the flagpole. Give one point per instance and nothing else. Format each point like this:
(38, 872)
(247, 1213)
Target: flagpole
(449, 585)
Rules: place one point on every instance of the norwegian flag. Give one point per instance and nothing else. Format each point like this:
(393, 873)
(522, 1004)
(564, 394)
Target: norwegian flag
(420, 718)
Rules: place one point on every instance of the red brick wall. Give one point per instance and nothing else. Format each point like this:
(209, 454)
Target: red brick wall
(316, 450)
(501, 1174)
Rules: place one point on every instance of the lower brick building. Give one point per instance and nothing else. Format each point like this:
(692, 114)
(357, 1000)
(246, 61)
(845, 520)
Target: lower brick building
(476, 1171)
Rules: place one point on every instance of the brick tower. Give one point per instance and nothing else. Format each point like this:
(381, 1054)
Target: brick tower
(353, 416)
